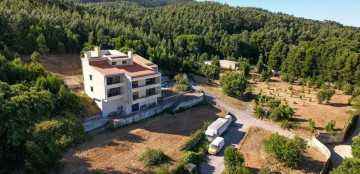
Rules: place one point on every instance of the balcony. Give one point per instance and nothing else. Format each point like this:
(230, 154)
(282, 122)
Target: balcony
(136, 97)
(114, 80)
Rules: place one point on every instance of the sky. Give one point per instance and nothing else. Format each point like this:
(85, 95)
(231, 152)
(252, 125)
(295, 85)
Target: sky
(346, 12)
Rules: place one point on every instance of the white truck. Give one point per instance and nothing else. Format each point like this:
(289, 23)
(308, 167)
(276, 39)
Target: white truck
(218, 127)
(216, 145)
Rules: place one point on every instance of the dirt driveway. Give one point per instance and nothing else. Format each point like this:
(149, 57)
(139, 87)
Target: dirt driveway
(119, 151)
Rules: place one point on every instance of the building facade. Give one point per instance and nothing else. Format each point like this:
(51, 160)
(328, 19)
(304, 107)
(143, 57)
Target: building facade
(226, 64)
(120, 83)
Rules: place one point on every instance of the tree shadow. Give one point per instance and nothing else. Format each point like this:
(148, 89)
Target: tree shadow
(338, 104)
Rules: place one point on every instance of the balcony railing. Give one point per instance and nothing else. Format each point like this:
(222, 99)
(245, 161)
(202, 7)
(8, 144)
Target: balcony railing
(114, 94)
(147, 84)
(148, 95)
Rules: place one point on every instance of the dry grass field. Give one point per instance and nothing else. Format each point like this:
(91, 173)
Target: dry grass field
(256, 158)
(120, 151)
(305, 104)
(68, 64)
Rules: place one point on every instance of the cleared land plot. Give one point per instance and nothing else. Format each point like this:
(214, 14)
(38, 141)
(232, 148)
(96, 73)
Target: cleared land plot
(304, 108)
(214, 88)
(120, 151)
(256, 158)
(68, 64)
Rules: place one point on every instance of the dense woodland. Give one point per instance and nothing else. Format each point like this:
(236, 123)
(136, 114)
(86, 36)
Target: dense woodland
(144, 3)
(177, 37)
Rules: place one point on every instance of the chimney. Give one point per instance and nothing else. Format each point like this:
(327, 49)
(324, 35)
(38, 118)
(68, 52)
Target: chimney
(97, 51)
(130, 55)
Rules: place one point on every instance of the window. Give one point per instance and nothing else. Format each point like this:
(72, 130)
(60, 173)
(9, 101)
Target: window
(113, 63)
(90, 77)
(135, 107)
(113, 80)
(114, 91)
(135, 95)
(135, 84)
(124, 62)
(150, 92)
(150, 81)
(92, 89)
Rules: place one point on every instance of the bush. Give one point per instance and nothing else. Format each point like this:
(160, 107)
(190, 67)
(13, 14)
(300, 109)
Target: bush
(356, 146)
(347, 88)
(265, 171)
(289, 151)
(192, 157)
(233, 160)
(234, 84)
(35, 56)
(110, 127)
(325, 95)
(286, 124)
(330, 127)
(193, 140)
(290, 88)
(311, 124)
(283, 112)
(152, 157)
(272, 103)
(259, 112)
(349, 166)
(164, 169)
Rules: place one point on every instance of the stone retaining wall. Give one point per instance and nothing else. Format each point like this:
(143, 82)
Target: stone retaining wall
(324, 150)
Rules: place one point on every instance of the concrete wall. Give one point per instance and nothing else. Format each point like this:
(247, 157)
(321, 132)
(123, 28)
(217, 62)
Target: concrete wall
(324, 150)
(189, 103)
(140, 115)
(339, 137)
(93, 124)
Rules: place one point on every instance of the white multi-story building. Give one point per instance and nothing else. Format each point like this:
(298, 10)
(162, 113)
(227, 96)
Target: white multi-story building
(120, 83)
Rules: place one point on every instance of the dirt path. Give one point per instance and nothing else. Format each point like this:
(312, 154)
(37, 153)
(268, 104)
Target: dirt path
(120, 151)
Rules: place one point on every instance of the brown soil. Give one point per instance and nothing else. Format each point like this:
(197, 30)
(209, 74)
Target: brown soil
(304, 108)
(68, 64)
(214, 88)
(256, 158)
(120, 151)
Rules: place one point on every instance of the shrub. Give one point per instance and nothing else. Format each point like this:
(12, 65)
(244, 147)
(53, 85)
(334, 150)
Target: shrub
(347, 88)
(259, 112)
(356, 147)
(233, 160)
(152, 157)
(164, 169)
(325, 95)
(193, 140)
(35, 56)
(272, 103)
(289, 151)
(282, 112)
(349, 166)
(290, 88)
(110, 127)
(265, 171)
(286, 124)
(311, 124)
(192, 157)
(330, 127)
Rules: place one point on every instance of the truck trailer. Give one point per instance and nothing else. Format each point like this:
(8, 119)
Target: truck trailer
(218, 127)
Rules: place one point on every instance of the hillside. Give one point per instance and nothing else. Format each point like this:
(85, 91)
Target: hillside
(144, 3)
(178, 37)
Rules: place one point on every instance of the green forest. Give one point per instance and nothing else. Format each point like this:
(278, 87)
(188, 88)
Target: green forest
(177, 37)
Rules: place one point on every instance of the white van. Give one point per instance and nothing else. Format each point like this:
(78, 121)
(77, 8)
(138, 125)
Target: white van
(216, 145)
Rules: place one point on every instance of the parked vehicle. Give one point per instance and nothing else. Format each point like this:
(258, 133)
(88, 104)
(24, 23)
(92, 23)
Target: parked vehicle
(218, 127)
(216, 145)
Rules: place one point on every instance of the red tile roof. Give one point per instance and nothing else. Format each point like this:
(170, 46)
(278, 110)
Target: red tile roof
(139, 67)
